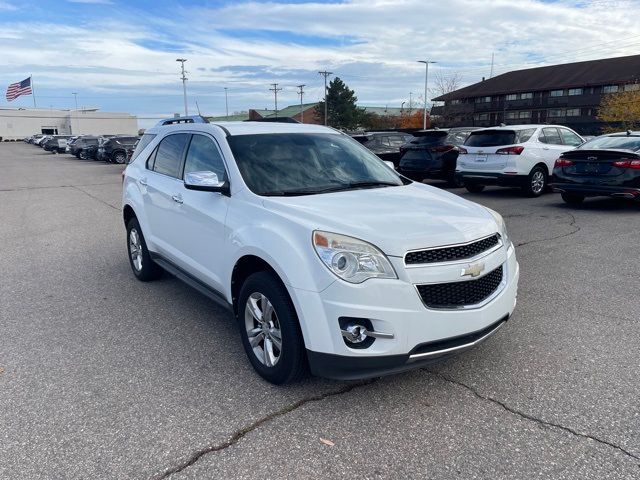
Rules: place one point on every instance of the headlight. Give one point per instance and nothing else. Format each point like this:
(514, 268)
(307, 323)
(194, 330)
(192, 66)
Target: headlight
(351, 259)
(502, 226)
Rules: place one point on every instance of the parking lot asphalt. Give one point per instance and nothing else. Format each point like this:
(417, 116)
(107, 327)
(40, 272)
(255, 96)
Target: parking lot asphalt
(102, 376)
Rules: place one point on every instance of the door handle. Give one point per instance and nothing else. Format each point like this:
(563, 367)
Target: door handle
(143, 182)
(545, 148)
(177, 198)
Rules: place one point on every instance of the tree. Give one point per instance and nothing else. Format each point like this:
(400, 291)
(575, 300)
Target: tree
(342, 111)
(622, 110)
(414, 120)
(444, 84)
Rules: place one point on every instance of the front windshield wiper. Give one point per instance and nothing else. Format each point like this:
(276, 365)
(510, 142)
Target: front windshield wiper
(332, 188)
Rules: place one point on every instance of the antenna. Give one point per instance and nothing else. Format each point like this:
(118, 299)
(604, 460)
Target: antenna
(198, 107)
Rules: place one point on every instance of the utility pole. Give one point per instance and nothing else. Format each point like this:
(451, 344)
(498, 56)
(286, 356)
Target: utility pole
(426, 82)
(184, 84)
(325, 74)
(275, 91)
(301, 93)
(226, 102)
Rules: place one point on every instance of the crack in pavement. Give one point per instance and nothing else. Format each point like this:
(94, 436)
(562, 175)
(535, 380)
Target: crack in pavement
(94, 197)
(241, 433)
(529, 417)
(20, 189)
(572, 223)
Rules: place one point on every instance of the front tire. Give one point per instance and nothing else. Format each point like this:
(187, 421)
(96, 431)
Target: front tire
(572, 198)
(143, 267)
(269, 329)
(119, 158)
(536, 182)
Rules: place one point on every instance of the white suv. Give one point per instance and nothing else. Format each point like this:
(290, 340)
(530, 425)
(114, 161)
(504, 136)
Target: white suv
(514, 156)
(326, 257)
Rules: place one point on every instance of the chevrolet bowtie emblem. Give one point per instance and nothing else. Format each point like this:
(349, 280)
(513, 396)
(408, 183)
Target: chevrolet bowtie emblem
(473, 270)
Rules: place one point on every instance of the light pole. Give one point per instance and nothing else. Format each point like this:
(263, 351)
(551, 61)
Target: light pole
(75, 96)
(226, 102)
(426, 82)
(184, 84)
(410, 102)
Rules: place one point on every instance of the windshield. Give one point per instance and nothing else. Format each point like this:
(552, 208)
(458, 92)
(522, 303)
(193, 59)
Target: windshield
(304, 164)
(429, 138)
(614, 142)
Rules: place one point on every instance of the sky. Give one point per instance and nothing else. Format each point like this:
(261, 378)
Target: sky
(121, 55)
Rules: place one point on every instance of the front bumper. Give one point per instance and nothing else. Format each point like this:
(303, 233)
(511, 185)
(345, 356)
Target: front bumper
(420, 334)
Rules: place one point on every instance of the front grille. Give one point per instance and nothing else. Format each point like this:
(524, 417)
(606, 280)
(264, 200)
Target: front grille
(460, 294)
(448, 254)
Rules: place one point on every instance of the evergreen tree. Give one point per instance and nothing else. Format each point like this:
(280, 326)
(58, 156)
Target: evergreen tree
(342, 111)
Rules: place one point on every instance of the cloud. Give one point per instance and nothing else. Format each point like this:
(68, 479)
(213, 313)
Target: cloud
(92, 2)
(7, 7)
(372, 44)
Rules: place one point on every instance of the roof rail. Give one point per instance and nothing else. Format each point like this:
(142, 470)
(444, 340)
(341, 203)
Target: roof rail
(189, 119)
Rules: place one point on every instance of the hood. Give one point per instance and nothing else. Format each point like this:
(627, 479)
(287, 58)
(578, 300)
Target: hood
(395, 219)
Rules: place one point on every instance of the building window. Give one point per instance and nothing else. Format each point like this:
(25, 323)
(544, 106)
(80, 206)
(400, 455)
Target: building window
(525, 114)
(632, 87)
(555, 112)
(526, 96)
(483, 99)
(557, 93)
(610, 89)
(512, 115)
(575, 91)
(512, 96)
(573, 112)
(482, 116)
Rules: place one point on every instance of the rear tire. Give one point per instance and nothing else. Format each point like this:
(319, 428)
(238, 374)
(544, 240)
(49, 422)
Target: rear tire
(572, 198)
(474, 187)
(455, 182)
(536, 182)
(119, 158)
(143, 267)
(266, 315)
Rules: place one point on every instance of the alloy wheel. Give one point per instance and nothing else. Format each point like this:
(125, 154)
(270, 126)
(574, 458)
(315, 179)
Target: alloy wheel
(537, 182)
(263, 329)
(135, 249)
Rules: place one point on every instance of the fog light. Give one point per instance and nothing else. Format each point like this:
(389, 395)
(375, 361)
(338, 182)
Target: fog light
(355, 333)
(359, 332)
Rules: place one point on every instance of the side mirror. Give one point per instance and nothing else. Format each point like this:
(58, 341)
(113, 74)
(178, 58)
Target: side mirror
(390, 164)
(205, 182)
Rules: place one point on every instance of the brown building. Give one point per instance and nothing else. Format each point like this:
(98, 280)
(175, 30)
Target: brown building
(567, 94)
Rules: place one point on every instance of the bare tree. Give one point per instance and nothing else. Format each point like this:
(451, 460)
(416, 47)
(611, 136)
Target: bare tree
(443, 84)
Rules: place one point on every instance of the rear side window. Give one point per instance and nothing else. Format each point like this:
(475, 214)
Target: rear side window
(144, 141)
(168, 159)
(570, 138)
(458, 137)
(550, 136)
(524, 135)
(204, 156)
(491, 138)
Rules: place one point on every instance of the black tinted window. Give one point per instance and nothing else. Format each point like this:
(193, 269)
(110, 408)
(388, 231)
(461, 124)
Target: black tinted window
(491, 138)
(430, 138)
(204, 156)
(144, 141)
(551, 136)
(169, 156)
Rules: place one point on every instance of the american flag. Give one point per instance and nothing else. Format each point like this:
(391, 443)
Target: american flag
(19, 88)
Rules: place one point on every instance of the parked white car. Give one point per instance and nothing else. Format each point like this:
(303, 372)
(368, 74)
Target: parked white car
(326, 257)
(513, 156)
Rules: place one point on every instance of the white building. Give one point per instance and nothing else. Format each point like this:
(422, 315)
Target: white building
(22, 122)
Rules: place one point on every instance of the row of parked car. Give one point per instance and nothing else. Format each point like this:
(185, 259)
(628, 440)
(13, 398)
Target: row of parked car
(535, 158)
(108, 148)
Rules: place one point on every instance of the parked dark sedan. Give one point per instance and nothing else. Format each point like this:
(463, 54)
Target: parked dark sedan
(115, 149)
(605, 166)
(385, 145)
(433, 154)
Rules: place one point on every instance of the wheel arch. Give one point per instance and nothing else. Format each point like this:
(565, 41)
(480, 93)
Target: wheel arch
(128, 213)
(244, 267)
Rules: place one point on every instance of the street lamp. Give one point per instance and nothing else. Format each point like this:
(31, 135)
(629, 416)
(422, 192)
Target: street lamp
(426, 82)
(184, 84)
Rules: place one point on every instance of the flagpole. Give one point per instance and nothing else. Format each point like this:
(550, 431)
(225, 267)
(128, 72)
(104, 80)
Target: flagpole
(33, 91)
